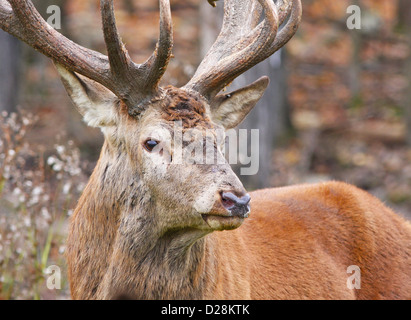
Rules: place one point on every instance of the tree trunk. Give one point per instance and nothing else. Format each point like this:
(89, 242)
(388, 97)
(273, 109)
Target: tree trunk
(270, 116)
(354, 70)
(404, 25)
(9, 72)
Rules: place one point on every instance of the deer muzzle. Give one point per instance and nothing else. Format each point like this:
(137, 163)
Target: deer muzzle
(238, 206)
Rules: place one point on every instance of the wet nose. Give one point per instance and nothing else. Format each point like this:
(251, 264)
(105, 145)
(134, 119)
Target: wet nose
(237, 205)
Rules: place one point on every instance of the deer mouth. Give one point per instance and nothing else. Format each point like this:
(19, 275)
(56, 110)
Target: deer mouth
(223, 222)
(229, 211)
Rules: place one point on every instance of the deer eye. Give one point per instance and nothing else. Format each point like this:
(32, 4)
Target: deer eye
(150, 144)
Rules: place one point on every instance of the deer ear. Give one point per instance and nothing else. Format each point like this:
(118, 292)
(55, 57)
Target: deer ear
(229, 110)
(97, 104)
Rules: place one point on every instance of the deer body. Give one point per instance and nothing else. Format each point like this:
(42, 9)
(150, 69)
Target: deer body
(295, 245)
(156, 221)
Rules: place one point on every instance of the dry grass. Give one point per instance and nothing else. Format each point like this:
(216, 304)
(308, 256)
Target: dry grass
(38, 189)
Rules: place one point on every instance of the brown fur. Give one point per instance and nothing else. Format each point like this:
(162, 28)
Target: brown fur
(138, 230)
(147, 227)
(189, 109)
(297, 244)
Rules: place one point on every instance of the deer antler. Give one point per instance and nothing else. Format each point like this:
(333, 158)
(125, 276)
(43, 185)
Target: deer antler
(244, 41)
(133, 83)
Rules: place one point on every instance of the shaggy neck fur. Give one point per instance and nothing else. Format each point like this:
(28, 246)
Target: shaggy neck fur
(162, 268)
(141, 259)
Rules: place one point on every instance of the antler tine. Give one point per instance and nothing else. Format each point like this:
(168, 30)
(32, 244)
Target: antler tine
(117, 53)
(233, 31)
(286, 8)
(124, 72)
(136, 83)
(212, 76)
(291, 26)
(132, 83)
(221, 66)
(158, 61)
(8, 21)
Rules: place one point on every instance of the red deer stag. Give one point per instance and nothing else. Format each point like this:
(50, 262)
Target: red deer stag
(150, 227)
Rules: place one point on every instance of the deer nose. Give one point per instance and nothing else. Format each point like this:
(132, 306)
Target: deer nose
(237, 205)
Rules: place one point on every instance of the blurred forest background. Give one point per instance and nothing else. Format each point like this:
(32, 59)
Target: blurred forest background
(338, 107)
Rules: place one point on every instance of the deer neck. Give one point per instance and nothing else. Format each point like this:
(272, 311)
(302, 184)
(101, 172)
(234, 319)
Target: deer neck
(147, 263)
(149, 267)
(130, 254)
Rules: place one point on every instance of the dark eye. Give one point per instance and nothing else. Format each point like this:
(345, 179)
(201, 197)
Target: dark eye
(150, 144)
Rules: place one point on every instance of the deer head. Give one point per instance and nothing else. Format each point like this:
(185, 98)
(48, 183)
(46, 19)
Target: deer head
(141, 172)
(138, 117)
